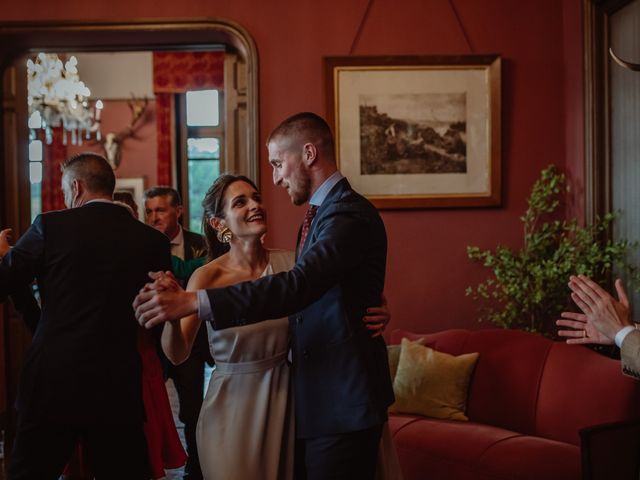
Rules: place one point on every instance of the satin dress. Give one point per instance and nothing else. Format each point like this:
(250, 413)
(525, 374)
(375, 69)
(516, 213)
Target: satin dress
(246, 426)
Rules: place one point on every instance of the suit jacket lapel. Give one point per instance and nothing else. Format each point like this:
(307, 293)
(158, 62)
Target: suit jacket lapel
(335, 193)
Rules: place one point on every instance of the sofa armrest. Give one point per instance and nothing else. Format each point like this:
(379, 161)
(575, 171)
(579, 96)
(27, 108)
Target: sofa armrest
(611, 450)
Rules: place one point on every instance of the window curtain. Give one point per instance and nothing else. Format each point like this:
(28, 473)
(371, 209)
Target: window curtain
(54, 156)
(173, 73)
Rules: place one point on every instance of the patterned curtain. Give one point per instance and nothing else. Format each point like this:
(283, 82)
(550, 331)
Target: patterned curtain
(53, 156)
(177, 72)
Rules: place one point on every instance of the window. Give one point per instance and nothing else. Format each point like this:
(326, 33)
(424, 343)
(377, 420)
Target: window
(201, 148)
(35, 176)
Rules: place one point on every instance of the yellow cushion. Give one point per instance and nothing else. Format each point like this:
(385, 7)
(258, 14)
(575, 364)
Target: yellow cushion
(431, 383)
(393, 353)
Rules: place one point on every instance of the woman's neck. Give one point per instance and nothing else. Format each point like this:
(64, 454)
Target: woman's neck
(248, 255)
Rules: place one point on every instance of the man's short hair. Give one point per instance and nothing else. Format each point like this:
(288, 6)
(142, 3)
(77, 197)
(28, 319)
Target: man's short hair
(164, 191)
(92, 170)
(305, 126)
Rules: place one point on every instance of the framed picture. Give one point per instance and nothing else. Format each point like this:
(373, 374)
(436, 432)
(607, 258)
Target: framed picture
(418, 132)
(135, 186)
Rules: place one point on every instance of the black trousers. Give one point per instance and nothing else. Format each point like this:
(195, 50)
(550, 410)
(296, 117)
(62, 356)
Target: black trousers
(41, 450)
(338, 457)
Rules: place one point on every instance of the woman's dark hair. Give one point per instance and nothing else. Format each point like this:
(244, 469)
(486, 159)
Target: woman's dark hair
(213, 205)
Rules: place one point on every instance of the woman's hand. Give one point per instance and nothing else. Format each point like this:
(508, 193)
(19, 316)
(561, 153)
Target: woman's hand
(377, 318)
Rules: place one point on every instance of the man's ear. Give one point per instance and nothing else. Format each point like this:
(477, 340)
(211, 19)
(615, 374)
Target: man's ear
(77, 188)
(309, 154)
(179, 211)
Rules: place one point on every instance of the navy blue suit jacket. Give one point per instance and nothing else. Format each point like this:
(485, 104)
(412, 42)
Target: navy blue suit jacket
(341, 374)
(83, 365)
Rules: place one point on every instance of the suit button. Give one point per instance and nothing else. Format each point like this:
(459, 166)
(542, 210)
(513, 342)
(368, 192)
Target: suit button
(305, 354)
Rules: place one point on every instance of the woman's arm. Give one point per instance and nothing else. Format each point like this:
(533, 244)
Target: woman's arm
(178, 336)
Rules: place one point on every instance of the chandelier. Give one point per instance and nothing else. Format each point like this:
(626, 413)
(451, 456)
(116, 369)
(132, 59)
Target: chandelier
(57, 97)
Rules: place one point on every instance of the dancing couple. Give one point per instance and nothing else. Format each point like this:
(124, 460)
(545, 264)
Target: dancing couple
(330, 422)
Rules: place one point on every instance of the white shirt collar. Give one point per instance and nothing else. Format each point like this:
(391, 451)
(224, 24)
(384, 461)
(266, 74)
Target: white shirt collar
(177, 244)
(318, 197)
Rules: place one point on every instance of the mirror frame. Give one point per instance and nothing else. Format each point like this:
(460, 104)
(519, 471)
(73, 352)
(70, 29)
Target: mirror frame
(21, 38)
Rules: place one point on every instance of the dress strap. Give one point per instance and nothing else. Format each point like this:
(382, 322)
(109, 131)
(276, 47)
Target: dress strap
(232, 368)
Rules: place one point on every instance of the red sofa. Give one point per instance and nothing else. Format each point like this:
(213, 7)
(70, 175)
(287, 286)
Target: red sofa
(537, 409)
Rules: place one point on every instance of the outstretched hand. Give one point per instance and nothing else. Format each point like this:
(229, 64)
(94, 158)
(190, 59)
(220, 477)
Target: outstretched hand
(163, 300)
(602, 311)
(5, 241)
(377, 318)
(580, 331)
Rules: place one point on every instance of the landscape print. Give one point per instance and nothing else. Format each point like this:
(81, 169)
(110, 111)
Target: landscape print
(413, 133)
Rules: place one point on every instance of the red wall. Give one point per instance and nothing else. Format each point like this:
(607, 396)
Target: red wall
(574, 105)
(427, 268)
(139, 153)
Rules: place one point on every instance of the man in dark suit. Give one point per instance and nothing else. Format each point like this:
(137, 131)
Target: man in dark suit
(341, 378)
(81, 379)
(163, 209)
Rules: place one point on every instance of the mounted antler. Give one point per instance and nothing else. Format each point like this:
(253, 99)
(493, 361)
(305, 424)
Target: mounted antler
(631, 66)
(112, 142)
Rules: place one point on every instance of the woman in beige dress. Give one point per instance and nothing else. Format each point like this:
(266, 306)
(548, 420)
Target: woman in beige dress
(245, 429)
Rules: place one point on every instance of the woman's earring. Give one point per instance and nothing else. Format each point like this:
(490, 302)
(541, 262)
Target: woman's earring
(224, 235)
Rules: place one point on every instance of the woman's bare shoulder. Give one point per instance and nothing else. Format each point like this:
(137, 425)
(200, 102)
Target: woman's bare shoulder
(208, 275)
(281, 259)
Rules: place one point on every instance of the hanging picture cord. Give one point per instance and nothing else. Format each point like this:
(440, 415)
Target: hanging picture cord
(461, 26)
(365, 16)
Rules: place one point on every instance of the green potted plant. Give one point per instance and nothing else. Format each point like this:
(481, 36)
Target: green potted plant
(527, 288)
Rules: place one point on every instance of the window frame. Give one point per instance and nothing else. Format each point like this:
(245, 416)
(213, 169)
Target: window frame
(184, 132)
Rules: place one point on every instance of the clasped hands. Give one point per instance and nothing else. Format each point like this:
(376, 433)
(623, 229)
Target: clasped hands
(602, 315)
(163, 300)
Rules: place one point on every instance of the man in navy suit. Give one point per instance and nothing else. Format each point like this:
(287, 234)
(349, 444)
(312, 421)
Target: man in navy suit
(341, 377)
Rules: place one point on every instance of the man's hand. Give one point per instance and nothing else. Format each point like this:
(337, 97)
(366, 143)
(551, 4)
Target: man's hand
(162, 281)
(377, 318)
(603, 312)
(581, 331)
(164, 300)
(5, 241)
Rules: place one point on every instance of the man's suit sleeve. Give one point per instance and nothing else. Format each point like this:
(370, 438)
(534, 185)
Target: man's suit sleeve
(26, 304)
(164, 256)
(19, 267)
(340, 245)
(630, 354)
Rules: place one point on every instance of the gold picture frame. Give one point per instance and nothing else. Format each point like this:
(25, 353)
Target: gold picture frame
(418, 131)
